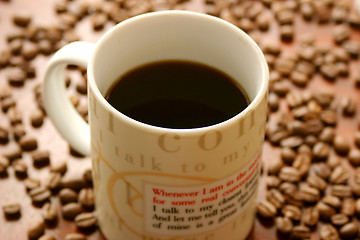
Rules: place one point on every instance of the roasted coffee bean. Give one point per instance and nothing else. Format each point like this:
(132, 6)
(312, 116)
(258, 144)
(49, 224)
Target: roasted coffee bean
(327, 135)
(22, 19)
(287, 154)
(301, 232)
(349, 230)
(263, 21)
(316, 182)
(309, 194)
(28, 143)
(4, 58)
(333, 161)
(87, 198)
(12, 210)
(284, 65)
(71, 210)
(354, 157)
(339, 175)
(49, 212)
(339, 14)
(311, 216)
(329, 232)
(19, 131)
(328, 117)
(332, 201)
(16, 46)
(314, 125)
(321, 169)
(348, 207)
(341, 145)
(302, 163)
(341, 33)
(41, 158)
(75, 236)
(7, 103)
(292, 212)
(273, 101)
(325, 211)
(36, 228)
(13, 153)
(4, 164)
(283, 224)
(59, 166)
(29, 51)
(31, 183)
(291, 142)
(266, 209)
(37, 117)
(348, 106)
(275, 166)
(289, 174)
(287, 33)
(47, 236)
(342, 191)
(355, 187)
(275, 197)
(40, 194)
(45, 47)
(329, 71)
(15, 116)
(88, 177)
(68, 195)
(281, 88)
(339, 219)
(53, 181)
(357, 207)
(357, 138)
(294, 99)
(342, 68)
(352, 47)
(16, 77)
(272, 181)
(288, 188)
(20, 168)
(85, 220)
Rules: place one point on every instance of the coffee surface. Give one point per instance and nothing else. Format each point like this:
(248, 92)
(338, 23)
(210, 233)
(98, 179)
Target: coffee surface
(177, 94)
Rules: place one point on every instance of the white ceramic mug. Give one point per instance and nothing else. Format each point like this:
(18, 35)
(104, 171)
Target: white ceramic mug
(160, 183)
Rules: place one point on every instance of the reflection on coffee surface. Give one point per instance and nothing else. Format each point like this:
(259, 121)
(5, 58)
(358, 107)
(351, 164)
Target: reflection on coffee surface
(177, 94)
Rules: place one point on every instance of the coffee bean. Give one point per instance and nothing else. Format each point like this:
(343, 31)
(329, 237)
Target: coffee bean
(275, 166)
(301, 232)
(4, 164)
(339, 175)
(275, 197)
(357, 206)
(16, 77)
(321, 150)
(333, 162)
(352, 47)
(31, 183)
(266, 209)
(302, 163)
(348, 106)
(349, 230)
(325, 211)
(291, 142)
(332, 201)
(4, 58)
(288, 188)
(18, 131)
(327, 135)
(289, 174)
(273, 102)
(341, 145)
(7, 103)
(341, 191)
(287, 33)
(16, 46)
(88, 177)
(321, 169)
(13, 153)
(59, 166)
(37, 117)
(15, 116)
(86, 198)
(272, 181)
(36, 228)
(283, 224)
(314, 126)
(281, 88)
(311, 216)
(263, 21)
(357, 138)
(292, 212)
(339, 219)
(75, 236)
(53, 181)
(284, 65)
(316, 182)
(287, 154)
(47, 236)
(40, 194)
(20, 168)
(354, 157)
(339, 14)
(71, 210)
(309, 194)
(341, 33)
(328, 232)
(49, 212)
(85, 220)
(22, 19)
(12, 210)
(41, 158)
(28, 143)
(68, 195)
(348, 207)
(329, 71)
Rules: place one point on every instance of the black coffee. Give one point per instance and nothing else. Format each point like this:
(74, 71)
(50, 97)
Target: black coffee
(177, 94)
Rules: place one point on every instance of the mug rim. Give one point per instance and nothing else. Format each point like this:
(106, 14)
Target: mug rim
(261, 93)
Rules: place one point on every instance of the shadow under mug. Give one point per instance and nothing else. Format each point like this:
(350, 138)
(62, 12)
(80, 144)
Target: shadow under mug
(160, 183)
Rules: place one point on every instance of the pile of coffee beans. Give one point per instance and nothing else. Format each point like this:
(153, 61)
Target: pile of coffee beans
(313, 174)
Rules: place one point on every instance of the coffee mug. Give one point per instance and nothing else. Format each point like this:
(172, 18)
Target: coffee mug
(155, 182)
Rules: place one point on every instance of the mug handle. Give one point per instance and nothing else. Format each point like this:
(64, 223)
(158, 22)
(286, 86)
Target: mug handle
(69, 123)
